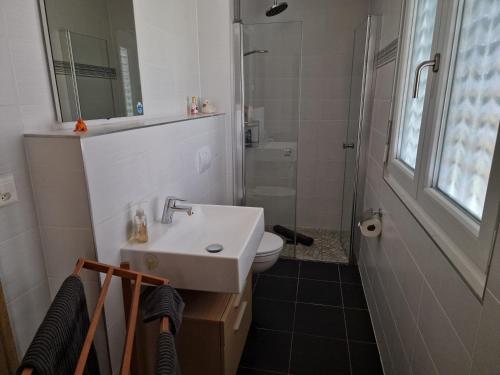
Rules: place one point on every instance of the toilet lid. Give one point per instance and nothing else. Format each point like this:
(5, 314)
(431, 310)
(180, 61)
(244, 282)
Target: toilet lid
(270, 243)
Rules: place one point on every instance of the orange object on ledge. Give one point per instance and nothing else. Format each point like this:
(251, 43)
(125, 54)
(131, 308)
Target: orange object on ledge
(80, 126)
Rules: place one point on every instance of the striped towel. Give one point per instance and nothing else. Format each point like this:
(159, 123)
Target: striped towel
(166, 363)
(160, 301)
(56, 347)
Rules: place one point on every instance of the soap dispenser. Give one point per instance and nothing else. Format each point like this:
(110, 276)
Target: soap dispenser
(140, 232)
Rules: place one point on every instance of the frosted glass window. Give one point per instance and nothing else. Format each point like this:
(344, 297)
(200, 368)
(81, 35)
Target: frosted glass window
(420, 50)
(471, 124)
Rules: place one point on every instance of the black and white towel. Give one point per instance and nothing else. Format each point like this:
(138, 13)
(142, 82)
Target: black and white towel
(56, 347)
(160, 301)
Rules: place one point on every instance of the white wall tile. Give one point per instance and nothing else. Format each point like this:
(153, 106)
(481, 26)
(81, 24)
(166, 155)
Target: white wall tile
(21, 262)
(20, 266)
(398, 357)
(8, 96)
(168, 48)
(446, 348)
(61, 199)
(63, 247)
(422, 363)
(486, 360)
(167, 39)
(404, 317)
(327, 43)
(448, 313)
(147, 164)
(26, 313)
(494, 275)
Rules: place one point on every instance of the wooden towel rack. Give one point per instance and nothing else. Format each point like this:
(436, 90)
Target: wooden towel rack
(131, 305)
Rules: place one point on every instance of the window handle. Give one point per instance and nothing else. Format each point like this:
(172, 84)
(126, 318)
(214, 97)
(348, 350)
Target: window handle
(418, 72)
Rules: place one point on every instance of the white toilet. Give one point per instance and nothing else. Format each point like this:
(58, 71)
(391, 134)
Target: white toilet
(268, 252)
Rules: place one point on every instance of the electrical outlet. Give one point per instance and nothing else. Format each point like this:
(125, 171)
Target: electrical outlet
(8, 193)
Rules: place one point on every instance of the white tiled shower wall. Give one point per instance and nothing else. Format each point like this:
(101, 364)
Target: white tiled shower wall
(170, 71)
(327, 46)
(427, 321)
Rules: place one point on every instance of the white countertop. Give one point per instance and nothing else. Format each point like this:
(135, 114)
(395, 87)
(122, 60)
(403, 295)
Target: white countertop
(97, 128)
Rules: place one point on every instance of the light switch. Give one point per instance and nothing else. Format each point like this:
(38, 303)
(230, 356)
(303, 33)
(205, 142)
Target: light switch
(8, 193)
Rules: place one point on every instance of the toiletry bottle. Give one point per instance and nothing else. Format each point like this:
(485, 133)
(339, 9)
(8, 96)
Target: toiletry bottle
(140, 226)
(194, 105)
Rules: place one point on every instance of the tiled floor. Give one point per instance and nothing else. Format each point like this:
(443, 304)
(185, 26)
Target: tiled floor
(310, 318)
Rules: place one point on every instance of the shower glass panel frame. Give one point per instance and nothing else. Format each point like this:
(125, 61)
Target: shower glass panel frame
(356, 133)
(356, 140)
(271, 67)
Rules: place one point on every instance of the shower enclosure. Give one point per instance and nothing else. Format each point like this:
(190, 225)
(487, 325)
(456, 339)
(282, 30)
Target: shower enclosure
(270, 128)
(271, 72)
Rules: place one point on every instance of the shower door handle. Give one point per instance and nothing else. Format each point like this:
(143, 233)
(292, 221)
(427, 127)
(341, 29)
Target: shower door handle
(418, 71)
(347, 145)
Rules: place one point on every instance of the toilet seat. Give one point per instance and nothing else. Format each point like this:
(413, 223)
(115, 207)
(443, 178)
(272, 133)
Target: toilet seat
(269, 245)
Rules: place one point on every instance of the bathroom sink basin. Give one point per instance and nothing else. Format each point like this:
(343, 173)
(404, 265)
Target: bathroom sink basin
(178, 251)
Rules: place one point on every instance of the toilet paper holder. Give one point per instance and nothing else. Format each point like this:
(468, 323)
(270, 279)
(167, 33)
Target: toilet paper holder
(368, 214)
(371, 223)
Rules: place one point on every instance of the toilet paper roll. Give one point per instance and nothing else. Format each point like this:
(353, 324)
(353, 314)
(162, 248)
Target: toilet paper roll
(371, 227)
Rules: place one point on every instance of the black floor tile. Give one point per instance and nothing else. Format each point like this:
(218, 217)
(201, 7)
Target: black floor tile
(267, 350)
(350, 274)
(359, 325)
(273, 314)
(353, 296)
(319, 355)
(319, 271)
(317, 303)
(320, 320)
(365, 359)
(255, 279)
(320, 292)
(282, 288)
(284, 267)
(251, 371)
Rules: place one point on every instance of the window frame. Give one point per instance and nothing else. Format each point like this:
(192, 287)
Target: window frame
(406, 177)
(465, 241)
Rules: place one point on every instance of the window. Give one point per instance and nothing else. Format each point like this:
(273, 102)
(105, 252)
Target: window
(421, 45)
(445, 126)
(471, 122)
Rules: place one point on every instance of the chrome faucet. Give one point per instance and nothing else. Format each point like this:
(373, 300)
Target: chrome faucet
(171, 207)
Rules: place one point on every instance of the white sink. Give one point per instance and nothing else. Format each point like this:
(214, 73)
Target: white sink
(178, 252)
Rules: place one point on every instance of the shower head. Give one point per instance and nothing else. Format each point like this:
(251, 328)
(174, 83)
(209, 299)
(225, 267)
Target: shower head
(276, 8)
(255, 51)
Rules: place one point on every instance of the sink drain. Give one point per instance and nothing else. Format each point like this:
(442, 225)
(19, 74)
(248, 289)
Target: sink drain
(214, 248)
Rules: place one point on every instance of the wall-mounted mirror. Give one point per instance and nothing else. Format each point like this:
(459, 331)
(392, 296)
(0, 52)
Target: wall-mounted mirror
(94, 67)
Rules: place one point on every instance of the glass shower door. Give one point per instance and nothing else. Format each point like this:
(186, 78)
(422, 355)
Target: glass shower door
(271, 69)
(360, 79)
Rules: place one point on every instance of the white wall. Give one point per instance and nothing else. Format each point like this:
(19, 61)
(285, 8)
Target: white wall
(167, 41)
(426, 319)
(168, 53)
(328, 36)
(216, 67)
(25, 103)
(126, 168)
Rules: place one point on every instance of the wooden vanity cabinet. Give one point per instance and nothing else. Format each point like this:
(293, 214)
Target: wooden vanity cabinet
(214, 330)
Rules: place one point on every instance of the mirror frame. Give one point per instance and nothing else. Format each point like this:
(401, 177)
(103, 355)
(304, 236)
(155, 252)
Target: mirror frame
(50, 60)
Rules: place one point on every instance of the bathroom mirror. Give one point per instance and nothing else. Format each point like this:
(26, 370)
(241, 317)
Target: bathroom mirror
(92, 52)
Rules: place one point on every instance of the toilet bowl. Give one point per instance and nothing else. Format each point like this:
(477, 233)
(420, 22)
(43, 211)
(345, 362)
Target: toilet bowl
(268, 252)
